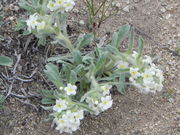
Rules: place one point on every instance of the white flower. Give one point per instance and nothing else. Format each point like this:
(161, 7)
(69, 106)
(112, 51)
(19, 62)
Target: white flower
(147, 59)
(135, 54)
(106, 89)
(106, 103)
(79, 115)
(52, 6)
(159, 74)
(69, 4)
(61, 123)
(60, 3)
(60, 105)
(41, 25)
(122, 64)
(70, 89)
(134, 72)
(69, 122)
(32, 22)
(147, 75)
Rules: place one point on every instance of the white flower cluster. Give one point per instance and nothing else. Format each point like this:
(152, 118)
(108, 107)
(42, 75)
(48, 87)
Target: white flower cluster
(35, 23)
(147, 79)
(62, 5)
(67, 118)
(69, 121)
(100, 100)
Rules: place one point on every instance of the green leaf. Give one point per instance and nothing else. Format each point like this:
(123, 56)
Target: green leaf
(1, 38)
(21, 25)
(73, 77)
(131, 44)
(5, 61)
(53, 74)
(119, 36)
(47, 101)
(2, 99)
(141, 47)
(101, 61)
(84, 41)
(77, 57)
(121, 85)
(47, 93)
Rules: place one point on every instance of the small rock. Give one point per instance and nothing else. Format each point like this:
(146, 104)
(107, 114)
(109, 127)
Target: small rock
(178, 110)
(81, 22)
(163, 10)
(126, 9)
(168, 16)
(136, 1)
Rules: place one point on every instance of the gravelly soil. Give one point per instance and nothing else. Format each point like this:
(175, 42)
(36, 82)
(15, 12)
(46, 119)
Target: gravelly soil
(157, 21)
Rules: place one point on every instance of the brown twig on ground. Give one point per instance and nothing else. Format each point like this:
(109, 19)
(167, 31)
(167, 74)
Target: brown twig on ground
(27, 103)
(14, 71)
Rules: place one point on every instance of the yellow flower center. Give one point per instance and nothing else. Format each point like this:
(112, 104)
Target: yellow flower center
(105, 102)
(52, 5)
(134, 73)
(68, 4)
(62, 121)
(147, 76)
(60, 2)
(70, 90)
(122, 66)
(59, 106)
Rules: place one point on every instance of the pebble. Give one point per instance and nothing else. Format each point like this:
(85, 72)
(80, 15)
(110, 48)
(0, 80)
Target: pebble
(81, 22)
(168, 16)
(126, 9)
(136, 1)
(163, 10)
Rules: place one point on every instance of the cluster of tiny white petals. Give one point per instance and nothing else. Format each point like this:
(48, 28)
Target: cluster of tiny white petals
(69, 121)
(148, 79)
(62, 5)
(100, 101)
(60, 105)
(70, 89)
(34, 23)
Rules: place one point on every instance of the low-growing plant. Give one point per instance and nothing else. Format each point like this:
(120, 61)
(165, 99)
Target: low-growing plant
(47, 18)
(83, 80)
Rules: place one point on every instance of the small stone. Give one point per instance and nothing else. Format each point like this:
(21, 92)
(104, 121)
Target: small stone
(163, 10)
(168, 16)
(171, 100)
(81, 22)
(178, 110)
(76, 10)
(126, 9)
(136, 1)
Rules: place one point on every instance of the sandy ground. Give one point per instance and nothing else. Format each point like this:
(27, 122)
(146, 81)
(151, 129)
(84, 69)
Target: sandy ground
(157, 21)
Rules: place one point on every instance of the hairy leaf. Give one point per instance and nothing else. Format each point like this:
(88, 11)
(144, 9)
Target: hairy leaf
(5, 61)
(119, 36)
(53, 74)
(83, 41)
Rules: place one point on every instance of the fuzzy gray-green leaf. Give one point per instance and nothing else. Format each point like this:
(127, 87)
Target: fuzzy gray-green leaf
(53, 74)
(119, 36)
(5, 61)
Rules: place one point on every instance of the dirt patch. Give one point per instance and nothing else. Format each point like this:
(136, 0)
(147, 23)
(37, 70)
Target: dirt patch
(158, 22)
